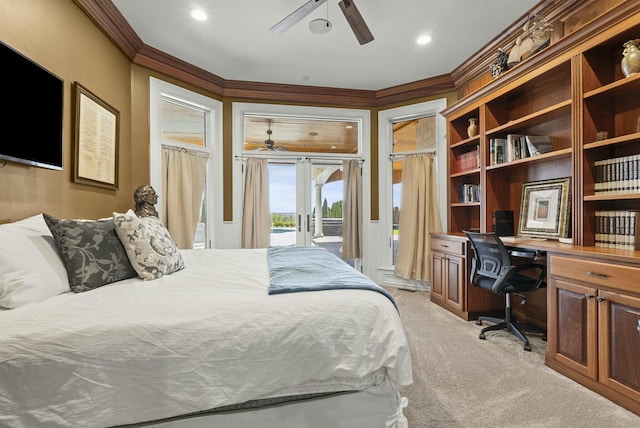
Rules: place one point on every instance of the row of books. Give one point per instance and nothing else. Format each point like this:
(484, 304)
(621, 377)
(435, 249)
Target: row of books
(468, 160)
(469, 193)
(617, 229)
(618, 175)
(517, 146)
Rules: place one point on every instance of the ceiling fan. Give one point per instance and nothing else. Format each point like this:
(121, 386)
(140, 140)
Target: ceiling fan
(269, 144)
(349, 9)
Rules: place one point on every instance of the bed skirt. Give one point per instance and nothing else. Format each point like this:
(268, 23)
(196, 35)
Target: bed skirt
(377, 407)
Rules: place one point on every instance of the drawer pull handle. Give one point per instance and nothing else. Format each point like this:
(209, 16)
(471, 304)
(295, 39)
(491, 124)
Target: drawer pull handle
(638, 327)
(599, 275)
(600, 299)
(445, 246)
(589, 296)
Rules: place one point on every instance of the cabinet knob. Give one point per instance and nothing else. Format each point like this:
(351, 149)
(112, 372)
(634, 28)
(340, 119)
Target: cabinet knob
(599, 275)
(638, 327)
(588, 296)
(600, 299)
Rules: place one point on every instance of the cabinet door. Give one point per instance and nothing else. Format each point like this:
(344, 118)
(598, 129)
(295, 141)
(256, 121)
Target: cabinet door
(619, 329)
(438, 279)
(455, 271)
(572, 316)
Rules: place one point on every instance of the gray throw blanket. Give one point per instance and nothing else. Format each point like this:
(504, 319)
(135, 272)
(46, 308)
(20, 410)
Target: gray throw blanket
(294, 269)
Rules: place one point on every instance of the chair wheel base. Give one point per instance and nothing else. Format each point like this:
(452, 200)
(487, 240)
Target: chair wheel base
(527, 348)
(478, 322)
(482, 336)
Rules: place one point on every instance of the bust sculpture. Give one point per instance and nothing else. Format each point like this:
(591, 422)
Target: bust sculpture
(145, 198)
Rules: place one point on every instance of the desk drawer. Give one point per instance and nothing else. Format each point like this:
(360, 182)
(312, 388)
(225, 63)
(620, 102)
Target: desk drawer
(449, 246)
(605, 274)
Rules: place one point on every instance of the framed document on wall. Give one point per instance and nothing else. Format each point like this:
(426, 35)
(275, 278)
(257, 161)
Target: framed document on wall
(97, 127)
(545, 208)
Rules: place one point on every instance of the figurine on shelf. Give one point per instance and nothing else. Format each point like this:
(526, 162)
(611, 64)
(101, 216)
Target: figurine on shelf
(528, 44)
(499, 66)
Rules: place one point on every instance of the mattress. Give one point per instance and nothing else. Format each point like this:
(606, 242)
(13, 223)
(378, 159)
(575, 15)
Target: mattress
(204, 337)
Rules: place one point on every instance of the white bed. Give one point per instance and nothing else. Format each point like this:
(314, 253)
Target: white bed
(162, 352)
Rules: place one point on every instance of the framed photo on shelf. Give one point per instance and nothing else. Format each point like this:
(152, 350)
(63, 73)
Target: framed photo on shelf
(545, 208)
(97, 126)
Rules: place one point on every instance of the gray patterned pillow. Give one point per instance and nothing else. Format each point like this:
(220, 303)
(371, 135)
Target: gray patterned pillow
(91, 252)
(148, 244)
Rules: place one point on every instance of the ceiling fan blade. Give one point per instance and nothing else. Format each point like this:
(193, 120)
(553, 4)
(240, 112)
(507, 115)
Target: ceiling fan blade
(356, 21)
(297, 15)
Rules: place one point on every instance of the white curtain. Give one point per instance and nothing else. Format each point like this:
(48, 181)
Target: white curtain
(183, 180)
(256, 215)
(352, 210)
(419, 216)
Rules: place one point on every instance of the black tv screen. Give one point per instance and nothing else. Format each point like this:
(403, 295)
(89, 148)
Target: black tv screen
(33, 112)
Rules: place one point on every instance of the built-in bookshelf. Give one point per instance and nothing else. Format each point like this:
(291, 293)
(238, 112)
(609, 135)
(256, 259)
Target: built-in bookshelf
(575, 104)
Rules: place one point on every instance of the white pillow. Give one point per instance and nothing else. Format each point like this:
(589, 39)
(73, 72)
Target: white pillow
(31, 269)
(148, 244)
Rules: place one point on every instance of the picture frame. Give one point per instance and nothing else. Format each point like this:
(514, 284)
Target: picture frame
(545, 208)
(97, 130)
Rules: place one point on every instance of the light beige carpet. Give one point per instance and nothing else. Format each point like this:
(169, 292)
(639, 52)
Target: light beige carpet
(461, 381)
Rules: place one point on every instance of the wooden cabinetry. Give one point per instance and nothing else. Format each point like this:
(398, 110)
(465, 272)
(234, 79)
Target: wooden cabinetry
(450, 286)
(594, 329)
(576, 93)
(570, 92)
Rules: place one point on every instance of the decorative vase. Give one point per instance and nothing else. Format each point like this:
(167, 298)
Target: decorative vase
(631, 58)
(472, 130)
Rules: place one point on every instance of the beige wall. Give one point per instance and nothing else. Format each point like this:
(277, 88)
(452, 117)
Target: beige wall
(59, 37)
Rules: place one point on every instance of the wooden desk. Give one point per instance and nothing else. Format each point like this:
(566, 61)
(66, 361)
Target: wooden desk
(591, 312)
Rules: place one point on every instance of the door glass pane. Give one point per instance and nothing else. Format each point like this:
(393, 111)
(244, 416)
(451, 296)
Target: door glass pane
(182, 123)
(409, 136)
(396, 190)
(286, 134)
(415, 134)
(327, 191)
(282, 202)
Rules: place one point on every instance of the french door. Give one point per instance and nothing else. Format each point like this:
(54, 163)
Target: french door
(306, 203)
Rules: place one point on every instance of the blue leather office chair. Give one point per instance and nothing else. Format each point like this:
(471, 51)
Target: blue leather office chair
(492, 269)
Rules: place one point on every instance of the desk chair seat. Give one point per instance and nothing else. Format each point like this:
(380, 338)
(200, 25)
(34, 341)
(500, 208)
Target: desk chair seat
(493, 270)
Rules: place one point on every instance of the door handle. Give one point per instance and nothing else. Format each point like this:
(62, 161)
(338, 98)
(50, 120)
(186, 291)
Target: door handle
(308, 226)
(299, 222)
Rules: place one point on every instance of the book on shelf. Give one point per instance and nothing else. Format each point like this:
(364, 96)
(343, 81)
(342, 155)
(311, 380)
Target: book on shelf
(617, 175)
(468, 160)
(517, 146)
(538, 144)
(617, 229)
(497, 147)
(469, 193)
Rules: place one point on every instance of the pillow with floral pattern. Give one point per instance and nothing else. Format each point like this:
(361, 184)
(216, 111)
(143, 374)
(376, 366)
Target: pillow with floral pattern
(151, 250)
(91, 252)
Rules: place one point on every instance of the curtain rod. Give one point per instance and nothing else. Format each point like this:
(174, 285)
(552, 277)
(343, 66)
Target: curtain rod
(433, 152)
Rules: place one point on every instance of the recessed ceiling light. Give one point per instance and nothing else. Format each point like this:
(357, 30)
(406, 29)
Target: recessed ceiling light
(198, 14)
(423, 40)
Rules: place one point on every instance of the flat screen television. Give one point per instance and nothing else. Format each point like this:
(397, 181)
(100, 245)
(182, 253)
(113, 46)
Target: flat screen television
(31, 122)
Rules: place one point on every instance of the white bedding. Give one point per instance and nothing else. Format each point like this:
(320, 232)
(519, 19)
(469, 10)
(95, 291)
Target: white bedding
(203, 337)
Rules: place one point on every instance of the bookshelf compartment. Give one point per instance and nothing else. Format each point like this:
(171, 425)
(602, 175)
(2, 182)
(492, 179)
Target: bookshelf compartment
(538, 94)
(601, 64)
(615, 112)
